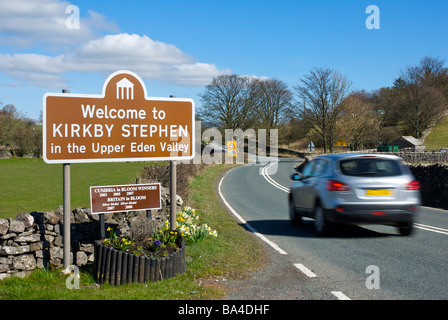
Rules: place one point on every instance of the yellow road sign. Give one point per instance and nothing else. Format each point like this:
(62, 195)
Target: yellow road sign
(231, 148)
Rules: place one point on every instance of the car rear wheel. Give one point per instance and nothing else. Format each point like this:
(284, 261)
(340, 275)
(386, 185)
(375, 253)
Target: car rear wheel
(295, 218)
(406, 229)
(321, 224)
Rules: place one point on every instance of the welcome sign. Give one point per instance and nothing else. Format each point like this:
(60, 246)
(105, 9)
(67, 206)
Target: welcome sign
(121, 124)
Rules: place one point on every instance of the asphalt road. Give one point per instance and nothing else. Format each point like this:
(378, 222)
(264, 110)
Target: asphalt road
(355, 262)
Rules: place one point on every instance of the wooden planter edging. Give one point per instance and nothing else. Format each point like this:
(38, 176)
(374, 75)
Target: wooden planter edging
(117, 267)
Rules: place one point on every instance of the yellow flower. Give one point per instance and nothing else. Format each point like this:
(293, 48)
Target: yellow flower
(108, 229)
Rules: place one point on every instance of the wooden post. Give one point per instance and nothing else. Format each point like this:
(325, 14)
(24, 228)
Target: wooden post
(173, 191)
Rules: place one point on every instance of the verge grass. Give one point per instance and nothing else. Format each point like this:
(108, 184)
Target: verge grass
(233, 255)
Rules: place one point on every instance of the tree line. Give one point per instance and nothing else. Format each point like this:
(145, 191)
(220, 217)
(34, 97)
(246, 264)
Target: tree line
(323, 106)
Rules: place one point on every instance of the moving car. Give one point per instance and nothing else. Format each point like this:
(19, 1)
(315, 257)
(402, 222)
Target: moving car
(356, 189)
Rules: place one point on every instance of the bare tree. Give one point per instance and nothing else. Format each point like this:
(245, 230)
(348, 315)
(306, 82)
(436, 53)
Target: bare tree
(227, 103)
(272, 101)
(360, 122)
(322, 92)
(423, 100)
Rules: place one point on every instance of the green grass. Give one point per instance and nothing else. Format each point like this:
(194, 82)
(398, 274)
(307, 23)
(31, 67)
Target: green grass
(232, 254)
(32, 185)
(438, 138)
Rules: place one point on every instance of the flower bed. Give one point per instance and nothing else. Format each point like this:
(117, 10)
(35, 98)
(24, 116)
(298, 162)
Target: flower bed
(118, 267)
(120, 260)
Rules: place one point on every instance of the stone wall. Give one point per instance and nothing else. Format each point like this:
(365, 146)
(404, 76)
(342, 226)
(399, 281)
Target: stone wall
(35, 240)
(433, 178)
(5, 154)
(424, 157)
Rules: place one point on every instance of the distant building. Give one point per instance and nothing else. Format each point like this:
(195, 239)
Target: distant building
(410, 143)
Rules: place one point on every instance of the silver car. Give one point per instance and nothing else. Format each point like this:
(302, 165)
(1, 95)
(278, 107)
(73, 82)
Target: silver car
(357, 189)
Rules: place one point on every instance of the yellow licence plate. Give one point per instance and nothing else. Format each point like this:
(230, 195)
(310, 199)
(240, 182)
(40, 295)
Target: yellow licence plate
(379, 192)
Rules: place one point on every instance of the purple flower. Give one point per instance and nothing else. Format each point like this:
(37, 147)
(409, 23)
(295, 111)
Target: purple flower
(157, 243)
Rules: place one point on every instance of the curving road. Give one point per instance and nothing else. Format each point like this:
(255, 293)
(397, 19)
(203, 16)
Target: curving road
(368, 262)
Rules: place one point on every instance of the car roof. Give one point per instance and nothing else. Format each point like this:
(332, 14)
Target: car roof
(340, 156)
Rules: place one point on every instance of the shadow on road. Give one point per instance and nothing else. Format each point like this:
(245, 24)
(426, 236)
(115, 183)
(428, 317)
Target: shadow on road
(283, 227)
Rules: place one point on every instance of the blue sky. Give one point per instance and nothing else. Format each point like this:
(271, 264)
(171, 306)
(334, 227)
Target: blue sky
(177, 47)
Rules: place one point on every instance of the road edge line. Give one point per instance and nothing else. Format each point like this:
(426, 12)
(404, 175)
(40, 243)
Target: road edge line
(244, 222)
(340, 295)
(305, 270)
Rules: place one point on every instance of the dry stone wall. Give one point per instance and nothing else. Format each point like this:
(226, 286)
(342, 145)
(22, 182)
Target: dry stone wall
(35, 240)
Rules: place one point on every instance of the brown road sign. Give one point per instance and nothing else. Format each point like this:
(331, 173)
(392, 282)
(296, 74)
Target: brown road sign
(120, 198)
(121, 124)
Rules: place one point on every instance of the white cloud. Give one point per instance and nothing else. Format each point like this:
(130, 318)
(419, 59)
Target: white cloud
(125, 48)
(148, 58)
(39, 25)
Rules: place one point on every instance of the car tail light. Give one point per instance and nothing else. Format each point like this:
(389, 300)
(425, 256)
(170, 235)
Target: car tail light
(413, 185)
(333, 185)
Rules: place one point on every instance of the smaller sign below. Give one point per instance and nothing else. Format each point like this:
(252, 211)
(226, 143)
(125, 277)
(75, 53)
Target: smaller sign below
(121, 198)
(231, 148)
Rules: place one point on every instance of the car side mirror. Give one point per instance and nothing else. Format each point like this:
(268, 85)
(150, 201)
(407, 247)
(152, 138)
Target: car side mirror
(296, 176)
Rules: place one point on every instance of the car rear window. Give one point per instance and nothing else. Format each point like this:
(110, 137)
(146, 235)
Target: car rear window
(365, 167)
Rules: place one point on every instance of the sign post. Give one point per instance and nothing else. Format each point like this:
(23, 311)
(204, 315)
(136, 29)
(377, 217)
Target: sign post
(311, 147)
(121, 124)
(66, 211)
(173, 192)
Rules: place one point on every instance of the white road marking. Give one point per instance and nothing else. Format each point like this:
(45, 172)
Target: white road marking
(431, 228)
(268, 178)
(340, 295)
(305, 270)
(244, 222)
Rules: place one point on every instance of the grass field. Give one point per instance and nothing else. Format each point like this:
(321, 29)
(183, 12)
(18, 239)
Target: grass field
(232, 254)
(32, 185)
(438, 138)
